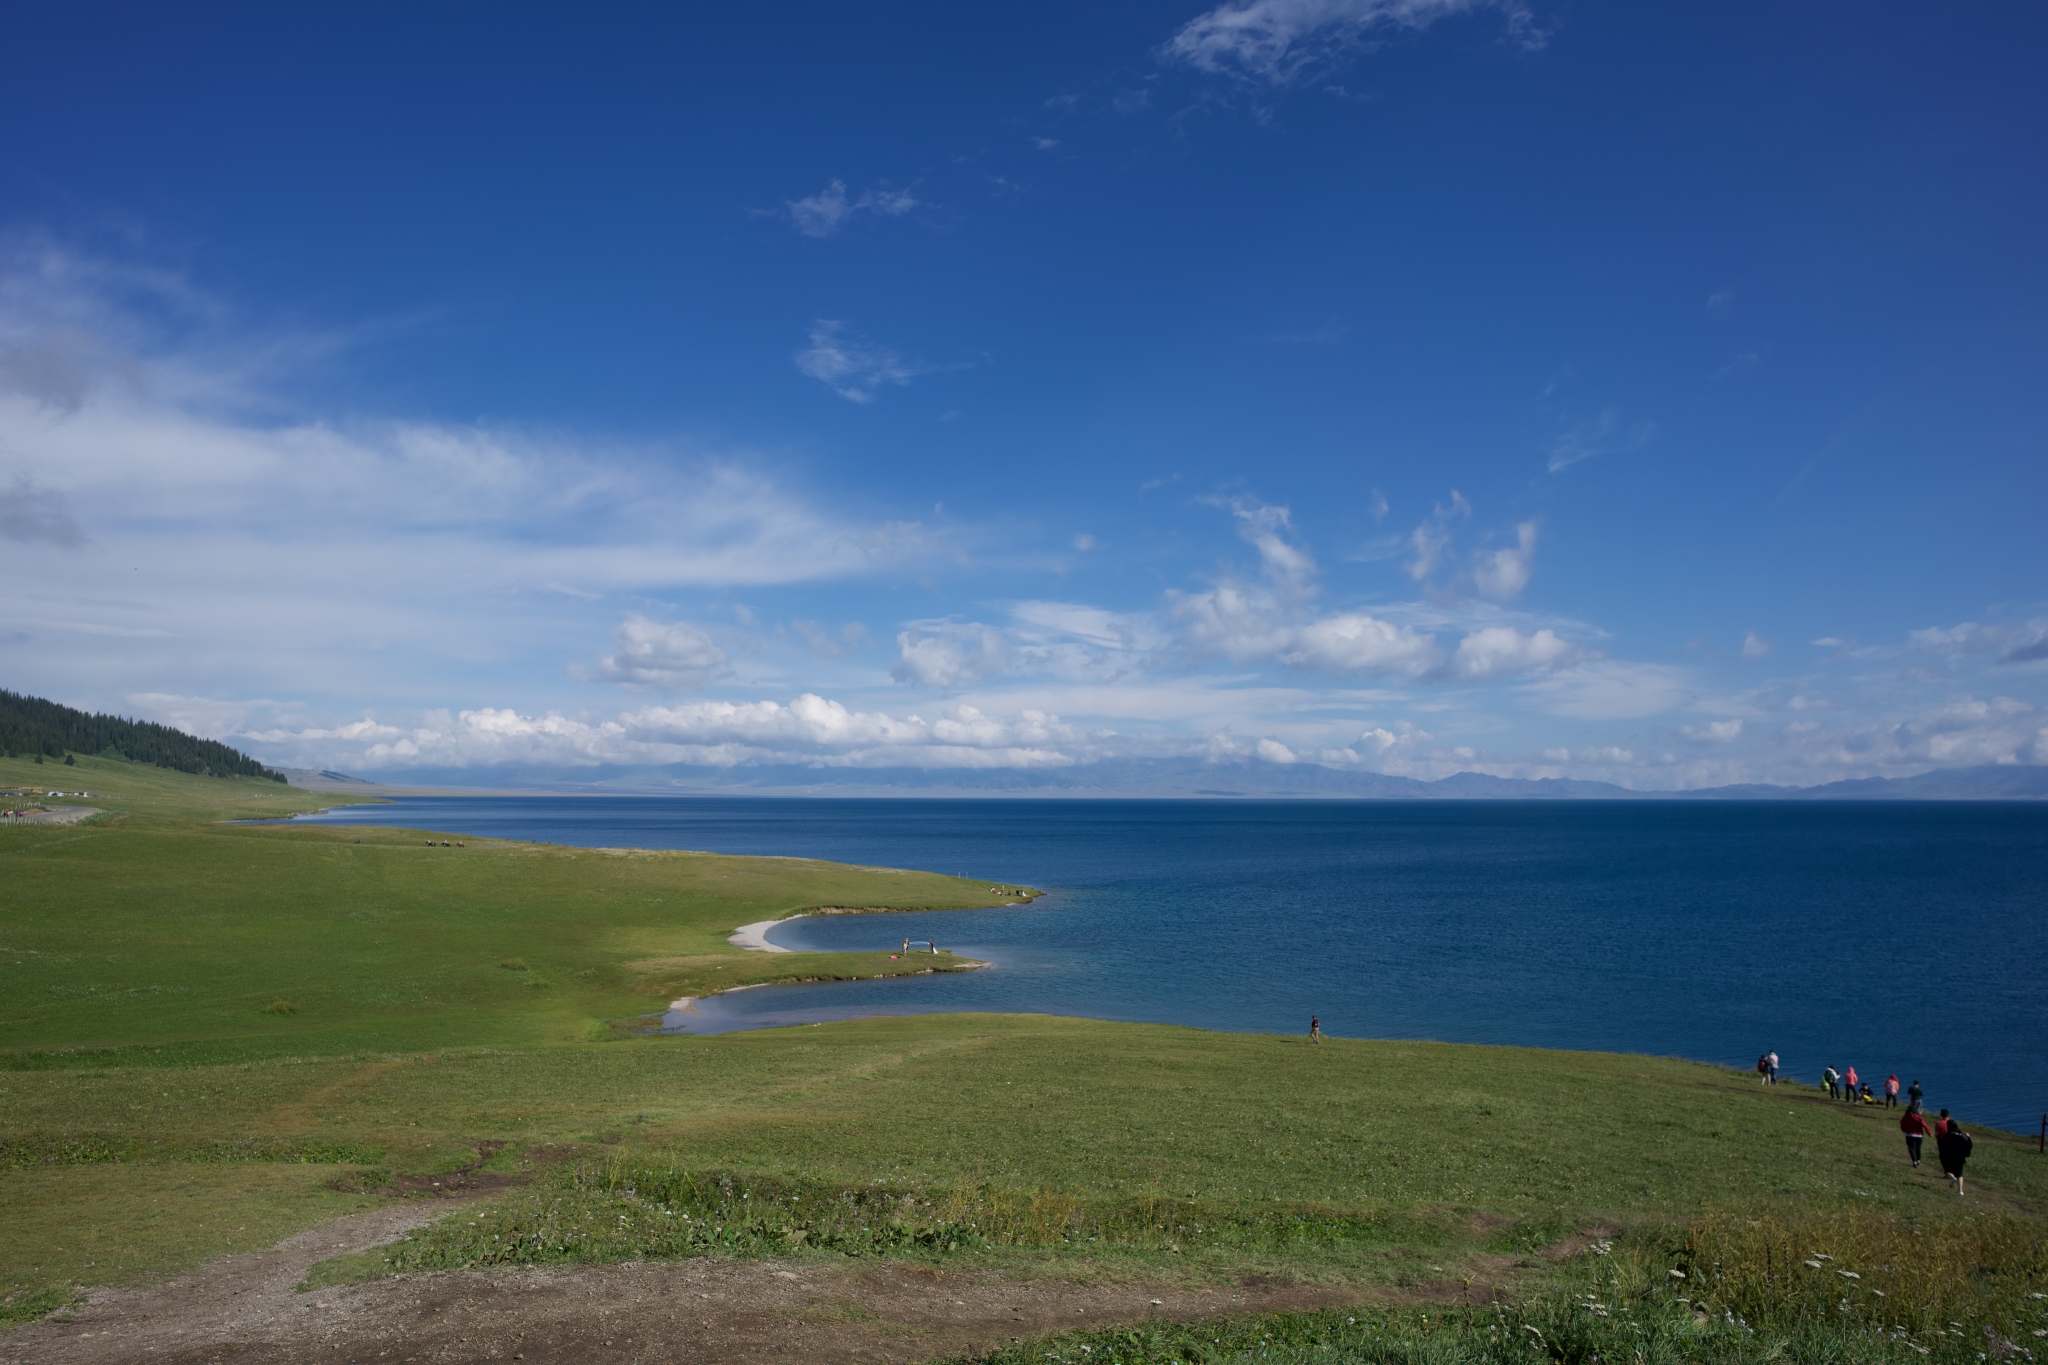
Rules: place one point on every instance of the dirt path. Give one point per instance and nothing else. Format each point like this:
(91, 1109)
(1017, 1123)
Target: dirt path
(243, 1311)
(55, 815)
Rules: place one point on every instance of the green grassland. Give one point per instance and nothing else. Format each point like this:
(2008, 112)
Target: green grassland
(157, 1108)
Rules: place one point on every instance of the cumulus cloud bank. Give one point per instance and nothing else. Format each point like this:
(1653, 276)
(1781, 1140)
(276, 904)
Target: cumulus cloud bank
(809, 729)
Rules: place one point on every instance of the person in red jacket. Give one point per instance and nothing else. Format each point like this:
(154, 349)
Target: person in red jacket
(1913, 1124)
(1850, 1077)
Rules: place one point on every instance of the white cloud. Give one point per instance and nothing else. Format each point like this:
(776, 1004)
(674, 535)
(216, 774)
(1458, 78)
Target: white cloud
(1964, 731)
(195, 540)
(1432, 537)
(1278, 41)
(852, 367)
(1497, 651)
(1356, 643)
(1273, 751)
(2007, 642)
(824, 213)
(1243, 620)
(1754, 646)
(674, 656)
(1107, 630)
(31, 514)
(809, 729)
(1502, 574)
(945, 655)
(1608, 690)
(1062, 640)
(1718, 732)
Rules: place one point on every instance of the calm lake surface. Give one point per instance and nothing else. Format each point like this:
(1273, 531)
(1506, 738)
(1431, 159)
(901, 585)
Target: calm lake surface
(1891, 937)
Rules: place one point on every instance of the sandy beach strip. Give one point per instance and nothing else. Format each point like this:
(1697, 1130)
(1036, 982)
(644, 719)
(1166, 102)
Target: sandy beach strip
(755, 936)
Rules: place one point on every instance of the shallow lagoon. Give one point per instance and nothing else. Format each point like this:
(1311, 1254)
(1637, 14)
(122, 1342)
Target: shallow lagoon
(1907, 937)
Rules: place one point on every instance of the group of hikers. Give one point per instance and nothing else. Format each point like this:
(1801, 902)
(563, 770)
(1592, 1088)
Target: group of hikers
(1951, 1144)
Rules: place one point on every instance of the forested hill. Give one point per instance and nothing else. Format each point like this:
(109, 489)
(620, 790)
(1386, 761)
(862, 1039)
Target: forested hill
(30, 725)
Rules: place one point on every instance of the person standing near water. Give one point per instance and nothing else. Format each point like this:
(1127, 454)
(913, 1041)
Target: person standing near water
(1891, 1091)
(1913, 1124)
(1913, 1095)
(1315, 1029)
(1954, 1145)
(1772, 1058)
(1827, 1078)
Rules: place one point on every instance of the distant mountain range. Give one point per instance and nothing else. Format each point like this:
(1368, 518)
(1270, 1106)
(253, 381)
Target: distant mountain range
(1186, 778)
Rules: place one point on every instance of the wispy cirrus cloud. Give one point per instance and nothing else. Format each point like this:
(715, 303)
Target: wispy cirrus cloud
(853, 367)
(197, 529)
(823, 214)
(1606, 434)
(1278, 42)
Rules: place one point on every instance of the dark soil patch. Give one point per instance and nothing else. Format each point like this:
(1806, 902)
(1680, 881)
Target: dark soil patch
(1579, 1241)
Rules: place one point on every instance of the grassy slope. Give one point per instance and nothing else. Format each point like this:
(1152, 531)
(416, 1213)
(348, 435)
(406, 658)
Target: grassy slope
(143, 949)
(156, 930)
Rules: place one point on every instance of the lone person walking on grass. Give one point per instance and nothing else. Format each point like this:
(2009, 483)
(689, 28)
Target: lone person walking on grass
(1913, 1124)
(1315, 1029)
(1954, 1145)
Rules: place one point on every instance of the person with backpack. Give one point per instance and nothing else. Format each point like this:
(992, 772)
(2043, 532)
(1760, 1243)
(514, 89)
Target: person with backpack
(1954, 1146)
(1829, 1080)
(1763, 1068)
(1891, 1091)
(1913, 1124)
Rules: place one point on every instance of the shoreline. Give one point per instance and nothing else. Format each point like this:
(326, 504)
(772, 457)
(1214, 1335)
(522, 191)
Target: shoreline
(754, 937)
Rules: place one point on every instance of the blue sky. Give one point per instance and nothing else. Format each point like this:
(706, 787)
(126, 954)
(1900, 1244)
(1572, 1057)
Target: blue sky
(1645, 393)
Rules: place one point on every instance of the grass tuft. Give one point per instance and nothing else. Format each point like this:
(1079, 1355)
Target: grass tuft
(26, 1305)
(1961, 1294)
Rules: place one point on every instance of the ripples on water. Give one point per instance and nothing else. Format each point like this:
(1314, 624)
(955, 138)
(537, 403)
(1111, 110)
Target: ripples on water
(1890, 936)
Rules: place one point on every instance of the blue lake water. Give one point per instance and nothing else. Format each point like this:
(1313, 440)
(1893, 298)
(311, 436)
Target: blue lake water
(1892, 937)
